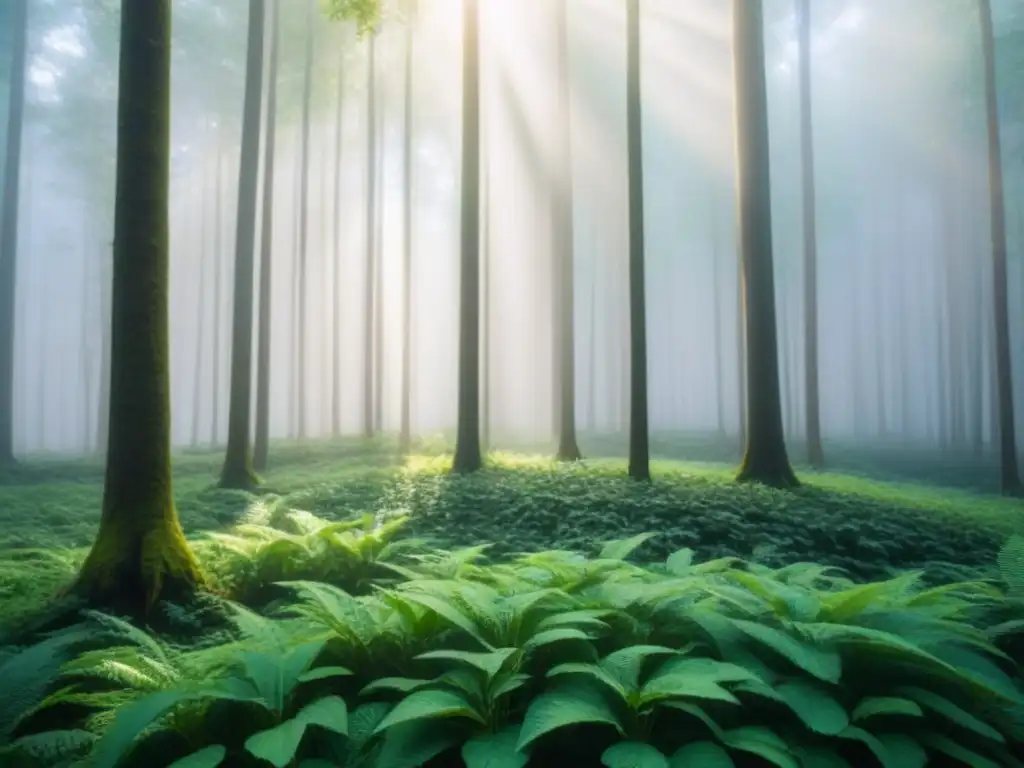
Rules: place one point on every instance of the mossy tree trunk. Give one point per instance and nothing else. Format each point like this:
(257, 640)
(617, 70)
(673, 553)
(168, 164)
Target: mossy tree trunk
(9, 227)
(564, 252)
(405, 429)
(238, 471)
(261, 445)
(812, 400)
(140, 552)
(765, 459)
(468, 455)
(639, 439)
(1010, 472)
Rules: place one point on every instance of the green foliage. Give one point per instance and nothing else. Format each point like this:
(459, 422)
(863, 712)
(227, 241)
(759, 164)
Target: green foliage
(554, 656)
(253, 557)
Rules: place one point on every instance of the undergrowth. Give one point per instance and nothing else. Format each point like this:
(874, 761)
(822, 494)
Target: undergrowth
(519, 503)
(439, 657)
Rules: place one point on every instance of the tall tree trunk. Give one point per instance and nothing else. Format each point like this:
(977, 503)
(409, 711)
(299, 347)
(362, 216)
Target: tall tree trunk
(639, 447)
(741, 354)
(307, 90)
(765, 459)
(336, 303)
(405, 430)
(378, 282)
(140, 553)
(371, 232)
(218, 269)
(716, 303)
(9, 228)
(85, 358)
(238, 471)
(201, 293)
(261, 445)
(105, 331)
(487, 259)
(1010, 471)
(815, 453)
(468, 456)
(564, 252)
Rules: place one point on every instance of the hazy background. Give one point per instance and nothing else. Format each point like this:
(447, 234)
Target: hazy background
(905, 261)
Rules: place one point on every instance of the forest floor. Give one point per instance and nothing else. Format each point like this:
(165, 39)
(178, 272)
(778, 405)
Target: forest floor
(873, 528)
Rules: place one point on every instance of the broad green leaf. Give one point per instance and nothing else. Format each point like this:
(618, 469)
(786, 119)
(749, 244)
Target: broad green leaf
(399, 684)
(494, 750)
(821, 757)
(695, 711)
(764, 743)
(701, 754)
(824, 663)
(633, 754)
(489, 662)
(207, 757)
(626, 664)
(364, 719)
(414, 743)
(872, 742)
(322, 673)
(556, 635)
(951, 712)
(329, 712)
(277, 745)
(585, 618)
(680, 561)
(682, 686)
(430, 704)
(885, 706)
(132, 719)
(903, 751)
(620, 549)
(946, 746)
(818, 710)
(563, 706)
(843, 606)
(509, 684)
(447, 611)
(592, 671)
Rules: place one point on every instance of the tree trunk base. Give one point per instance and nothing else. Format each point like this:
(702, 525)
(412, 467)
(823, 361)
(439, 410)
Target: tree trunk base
(568, 452)
(816, 455)
(129, 570)
(239, 478)
(772, 471)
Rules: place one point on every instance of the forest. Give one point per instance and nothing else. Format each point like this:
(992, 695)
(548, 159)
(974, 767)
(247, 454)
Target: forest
(511, 383)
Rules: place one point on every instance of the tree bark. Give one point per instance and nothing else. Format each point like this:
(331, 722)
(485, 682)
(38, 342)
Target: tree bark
(218, 269)
(812, 401)
(336, 303)
(9, 228)
(140, 553)
(307, 90)
(371, 232)
(261, 446)
(639, 447)
(405, 429)
(468, 456)
(1009, 470)
(238, 471)
(564, 252)
(765, 459)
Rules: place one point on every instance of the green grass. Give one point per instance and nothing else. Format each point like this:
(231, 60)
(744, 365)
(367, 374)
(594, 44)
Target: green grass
(49, 510)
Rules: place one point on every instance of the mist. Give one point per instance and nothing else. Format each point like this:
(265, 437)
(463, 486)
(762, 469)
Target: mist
(906, 333)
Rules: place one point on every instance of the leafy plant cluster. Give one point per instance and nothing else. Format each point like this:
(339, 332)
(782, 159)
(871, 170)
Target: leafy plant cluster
(547, 657)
